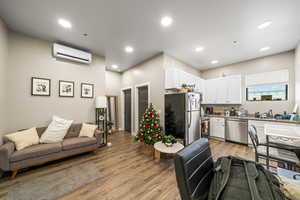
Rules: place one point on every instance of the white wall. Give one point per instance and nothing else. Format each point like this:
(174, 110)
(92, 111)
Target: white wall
(153, 71)
(297, 75)
(3, 85)
(171, 62)
(265, 64)
(150, 71)
(28, 57)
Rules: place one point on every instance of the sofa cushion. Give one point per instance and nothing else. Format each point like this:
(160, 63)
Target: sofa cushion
(87, 130)
(23, 139)
(56, 130)
(73, 131)
(72, 143)
(36, 151)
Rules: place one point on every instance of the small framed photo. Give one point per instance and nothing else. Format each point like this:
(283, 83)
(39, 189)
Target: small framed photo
(87, 90)
(66, 88)
(40, 86)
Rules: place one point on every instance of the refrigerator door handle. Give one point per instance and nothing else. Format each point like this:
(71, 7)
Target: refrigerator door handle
(190, 112)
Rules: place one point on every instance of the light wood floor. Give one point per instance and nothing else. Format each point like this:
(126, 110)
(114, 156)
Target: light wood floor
(128, 173)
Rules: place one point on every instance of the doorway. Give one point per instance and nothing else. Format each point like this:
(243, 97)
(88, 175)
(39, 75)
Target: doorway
(127, 110)
(112, 114)
(142, 99)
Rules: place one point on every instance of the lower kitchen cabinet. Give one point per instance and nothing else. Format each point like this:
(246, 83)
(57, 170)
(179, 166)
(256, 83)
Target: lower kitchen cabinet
(260, 128)
(217, 127)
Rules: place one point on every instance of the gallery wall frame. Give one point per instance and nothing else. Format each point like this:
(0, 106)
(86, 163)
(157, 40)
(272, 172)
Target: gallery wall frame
(66, 88)
(87, 90)
(40, 86)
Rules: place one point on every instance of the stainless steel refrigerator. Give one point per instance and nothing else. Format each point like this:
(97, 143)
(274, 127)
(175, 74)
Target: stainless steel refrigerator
(182, 116)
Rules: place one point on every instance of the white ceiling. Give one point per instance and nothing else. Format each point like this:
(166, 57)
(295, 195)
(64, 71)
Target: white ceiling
(113, 24)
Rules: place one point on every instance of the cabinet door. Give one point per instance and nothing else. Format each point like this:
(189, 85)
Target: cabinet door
(199, 85)
(234, 90)
(184, 78)
(210, 92)
(221, 90)
(172, 79)
(260, 128)
(217, 127)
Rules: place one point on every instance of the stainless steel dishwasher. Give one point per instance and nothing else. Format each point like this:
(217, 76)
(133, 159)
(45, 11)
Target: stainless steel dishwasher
(237, 130)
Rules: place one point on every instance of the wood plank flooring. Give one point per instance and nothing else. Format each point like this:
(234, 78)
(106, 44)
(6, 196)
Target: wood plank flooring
(128, 173)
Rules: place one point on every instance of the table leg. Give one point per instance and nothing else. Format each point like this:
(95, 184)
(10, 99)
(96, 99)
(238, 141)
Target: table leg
(268, 153)
(156, 154)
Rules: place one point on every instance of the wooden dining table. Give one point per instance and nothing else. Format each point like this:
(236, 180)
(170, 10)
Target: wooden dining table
(288, 135)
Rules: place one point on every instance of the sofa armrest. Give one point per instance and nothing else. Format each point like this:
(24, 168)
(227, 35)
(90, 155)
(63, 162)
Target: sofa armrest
(6, 151)
(99, 136)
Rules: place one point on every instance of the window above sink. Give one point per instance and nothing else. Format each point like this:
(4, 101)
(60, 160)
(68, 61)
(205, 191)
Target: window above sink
(274, 92)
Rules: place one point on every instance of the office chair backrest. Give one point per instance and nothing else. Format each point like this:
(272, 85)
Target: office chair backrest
(194, 170)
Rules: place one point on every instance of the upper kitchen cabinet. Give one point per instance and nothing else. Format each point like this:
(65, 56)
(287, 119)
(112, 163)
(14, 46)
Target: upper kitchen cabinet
(225, 90)
(210, 92)
(175, 78)
(234, 85)
(172, 79)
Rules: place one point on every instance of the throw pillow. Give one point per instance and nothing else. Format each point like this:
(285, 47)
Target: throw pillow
(56, 130)
(87, 130)
(23, 139)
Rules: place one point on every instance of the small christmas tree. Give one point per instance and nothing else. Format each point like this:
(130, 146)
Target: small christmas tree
(150, 131)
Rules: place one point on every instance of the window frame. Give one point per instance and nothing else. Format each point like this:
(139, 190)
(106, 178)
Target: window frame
(286, 92)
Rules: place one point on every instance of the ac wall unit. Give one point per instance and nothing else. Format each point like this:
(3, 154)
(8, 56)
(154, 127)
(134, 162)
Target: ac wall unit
(69, 53)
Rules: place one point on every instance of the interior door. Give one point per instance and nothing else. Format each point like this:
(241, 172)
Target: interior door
(127, 110)
(142, 101)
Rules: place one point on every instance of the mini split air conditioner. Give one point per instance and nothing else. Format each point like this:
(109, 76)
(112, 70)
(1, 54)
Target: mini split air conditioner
(69, 53)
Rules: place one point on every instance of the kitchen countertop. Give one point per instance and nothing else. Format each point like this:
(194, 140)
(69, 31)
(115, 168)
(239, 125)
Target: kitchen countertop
(254, 118)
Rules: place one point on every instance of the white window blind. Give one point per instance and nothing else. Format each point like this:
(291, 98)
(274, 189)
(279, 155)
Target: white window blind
(266, 78)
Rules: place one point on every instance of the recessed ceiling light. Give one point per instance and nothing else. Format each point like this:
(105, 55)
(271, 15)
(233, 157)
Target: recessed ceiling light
(115, 66)
(264, 25)
(64, 23)
(214, 62)
(199, 49)
(129, 49)
(166, 21)
(264, 49)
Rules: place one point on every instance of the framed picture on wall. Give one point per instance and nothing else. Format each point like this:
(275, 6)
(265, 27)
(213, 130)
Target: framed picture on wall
(40, 86)
(87, 90)
(66, 88)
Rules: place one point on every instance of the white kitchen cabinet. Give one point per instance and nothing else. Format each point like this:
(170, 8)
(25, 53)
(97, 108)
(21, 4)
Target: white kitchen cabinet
(259, 125)
(260, 128)
(175, 78)
(221, 90)
(172, 78)
(225, 90)
(234, 85)
(217, 127)
(210, 92)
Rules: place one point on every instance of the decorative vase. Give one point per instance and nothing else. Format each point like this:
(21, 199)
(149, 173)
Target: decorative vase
(168, 144)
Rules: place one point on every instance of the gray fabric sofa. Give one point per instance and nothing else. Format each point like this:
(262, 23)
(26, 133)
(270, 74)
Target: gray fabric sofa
(12, 160)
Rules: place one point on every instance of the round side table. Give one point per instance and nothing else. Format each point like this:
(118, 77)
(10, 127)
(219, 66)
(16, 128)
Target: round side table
(160, 147)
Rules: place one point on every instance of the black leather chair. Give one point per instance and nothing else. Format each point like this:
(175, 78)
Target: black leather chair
(194, 168)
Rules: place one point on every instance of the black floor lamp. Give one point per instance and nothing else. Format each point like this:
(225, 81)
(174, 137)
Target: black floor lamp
(101, 116)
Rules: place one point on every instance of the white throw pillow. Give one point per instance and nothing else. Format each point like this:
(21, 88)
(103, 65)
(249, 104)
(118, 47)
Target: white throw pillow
(87, 130)
(23, 139)
(56, 130)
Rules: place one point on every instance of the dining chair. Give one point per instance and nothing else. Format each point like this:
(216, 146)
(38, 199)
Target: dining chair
(276, 153)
